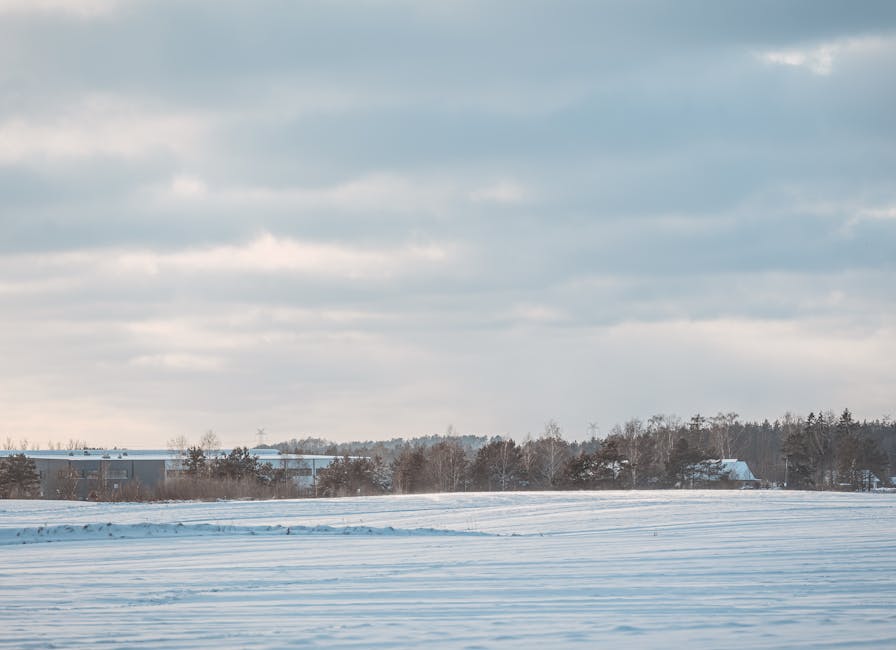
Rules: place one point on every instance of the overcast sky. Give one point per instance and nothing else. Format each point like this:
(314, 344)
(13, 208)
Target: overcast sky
(379, 218)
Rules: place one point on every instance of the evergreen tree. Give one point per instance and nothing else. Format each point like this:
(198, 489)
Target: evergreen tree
(798, 456)
(19, 478)
(239, 464)
(348, 476)
(689, 465)
(848, 452)
(498, 466)
(195, 463)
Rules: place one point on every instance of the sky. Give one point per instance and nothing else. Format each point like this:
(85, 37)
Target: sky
(377, 218)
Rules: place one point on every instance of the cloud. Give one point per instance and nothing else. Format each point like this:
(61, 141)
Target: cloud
(77, 8)
(374, 191)
(265, 253)
(887, 213)
(501, 192)
(269, 254)
(820, 59)
(99, 125)
(178, 362)
(379, 218)
(188, 187)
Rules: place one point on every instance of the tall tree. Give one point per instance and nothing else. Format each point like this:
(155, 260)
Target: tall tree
(639, 447)
(239, 464)
(722, 430)
(689, 465)
(546, 457)
(409, 471)
(19, 478)
(195, 463)
(498, 466)
(447, 465)
(799, 458)
(348, 476)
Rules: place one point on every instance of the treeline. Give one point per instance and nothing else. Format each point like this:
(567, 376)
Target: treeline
(822, 451)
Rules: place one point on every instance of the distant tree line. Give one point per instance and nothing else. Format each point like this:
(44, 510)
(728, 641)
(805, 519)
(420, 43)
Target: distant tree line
(822, 451)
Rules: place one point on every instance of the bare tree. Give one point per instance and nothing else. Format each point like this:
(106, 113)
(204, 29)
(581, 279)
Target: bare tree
(722, 432)
(498, 465)
(99, 482)
(210, 443)
(665, 428)
(447, 464)
(68, 482)
(548, 456)
(178, 445)
(635, 445)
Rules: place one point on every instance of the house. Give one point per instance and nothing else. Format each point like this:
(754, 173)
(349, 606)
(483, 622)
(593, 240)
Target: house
(738, 472)
(727, 472)
(868, 480)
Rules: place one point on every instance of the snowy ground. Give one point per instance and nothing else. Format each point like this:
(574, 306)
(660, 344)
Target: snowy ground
(751, 569)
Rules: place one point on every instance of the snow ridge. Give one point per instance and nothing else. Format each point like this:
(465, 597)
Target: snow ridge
(68, 532)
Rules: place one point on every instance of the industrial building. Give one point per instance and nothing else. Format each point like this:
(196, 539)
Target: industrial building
(80, 473)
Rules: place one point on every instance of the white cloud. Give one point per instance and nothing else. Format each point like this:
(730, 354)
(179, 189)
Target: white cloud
(887, 213)
(100, 125)
(186, 334)
(268, 253)
(264, 254)
(821, 59)
(188, 187)
(536, 314)
(502, 192)
(377, 191)
(178, 361)
(387, 190)
(78, 8)
(859, 214)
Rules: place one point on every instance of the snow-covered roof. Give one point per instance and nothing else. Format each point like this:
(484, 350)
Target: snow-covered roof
(737, 470)
(264, 455)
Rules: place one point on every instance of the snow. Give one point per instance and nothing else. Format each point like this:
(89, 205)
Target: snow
(737, 470)
(706, 569)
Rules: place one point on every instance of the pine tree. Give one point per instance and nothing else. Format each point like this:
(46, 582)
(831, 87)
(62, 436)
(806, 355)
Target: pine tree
(196, 464)
(498, 466)
(19, 478)
(800, 462)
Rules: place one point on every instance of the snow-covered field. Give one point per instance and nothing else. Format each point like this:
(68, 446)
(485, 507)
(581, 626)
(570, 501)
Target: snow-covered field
(658, 569)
